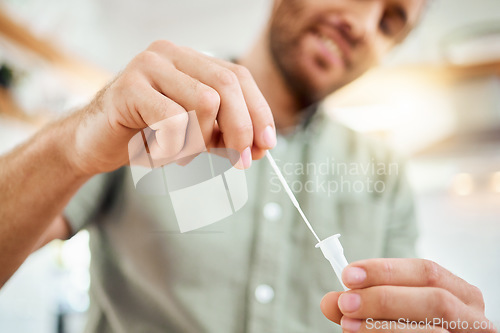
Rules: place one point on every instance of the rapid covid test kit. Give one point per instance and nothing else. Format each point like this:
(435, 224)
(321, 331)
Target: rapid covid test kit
(331, 247)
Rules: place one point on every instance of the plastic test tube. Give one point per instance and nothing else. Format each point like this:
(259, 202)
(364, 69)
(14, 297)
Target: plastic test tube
(334, 253)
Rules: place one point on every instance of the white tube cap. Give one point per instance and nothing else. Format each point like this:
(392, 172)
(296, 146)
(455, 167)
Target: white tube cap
(334, 253)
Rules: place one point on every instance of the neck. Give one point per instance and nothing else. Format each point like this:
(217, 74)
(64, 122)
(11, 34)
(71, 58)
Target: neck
(285, 107)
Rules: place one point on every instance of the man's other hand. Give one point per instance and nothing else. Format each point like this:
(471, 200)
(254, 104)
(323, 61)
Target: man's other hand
(405, 295)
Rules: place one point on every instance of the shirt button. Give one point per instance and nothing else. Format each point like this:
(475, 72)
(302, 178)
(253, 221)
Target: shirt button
(272, 211)
(264, 293)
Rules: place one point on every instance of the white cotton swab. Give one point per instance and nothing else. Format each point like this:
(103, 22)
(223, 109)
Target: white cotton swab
(289, 192)
(330, 247)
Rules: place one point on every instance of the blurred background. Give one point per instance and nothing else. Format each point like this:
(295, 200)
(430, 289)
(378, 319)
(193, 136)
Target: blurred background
(436, 99)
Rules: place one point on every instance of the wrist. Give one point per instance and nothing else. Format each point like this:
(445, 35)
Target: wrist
(64, 136)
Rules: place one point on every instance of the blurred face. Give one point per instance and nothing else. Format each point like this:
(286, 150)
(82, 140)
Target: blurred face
(321, 45)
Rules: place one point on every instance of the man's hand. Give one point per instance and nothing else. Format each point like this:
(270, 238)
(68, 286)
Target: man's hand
(385, 293)
(166, 81)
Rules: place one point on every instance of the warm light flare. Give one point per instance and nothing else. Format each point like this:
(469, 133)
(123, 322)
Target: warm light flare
(463, 184)
(495, 182)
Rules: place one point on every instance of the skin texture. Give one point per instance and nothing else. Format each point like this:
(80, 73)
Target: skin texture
(289, 68)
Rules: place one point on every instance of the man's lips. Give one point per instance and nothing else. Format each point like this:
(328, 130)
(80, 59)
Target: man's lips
(329, 50)
(335, 48)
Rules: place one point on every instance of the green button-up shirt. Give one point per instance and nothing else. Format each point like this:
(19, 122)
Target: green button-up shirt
(257, 270)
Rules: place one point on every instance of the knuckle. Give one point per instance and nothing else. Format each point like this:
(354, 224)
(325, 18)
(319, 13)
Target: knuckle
(209, 101)
(162, 45)
(245, 129)
(180, 113)
(388, 270)
(241, 136)
(171, 135)
(262, 108)
(125, 83)
(241, 72)
(477, 297)
(147, 58)
(188, 50)
(225, 77)
(384, 302)
(445, 303)
(431, 271)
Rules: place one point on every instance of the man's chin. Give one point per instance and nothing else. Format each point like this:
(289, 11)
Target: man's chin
(311, 88)
(318, 82)
(308, 82)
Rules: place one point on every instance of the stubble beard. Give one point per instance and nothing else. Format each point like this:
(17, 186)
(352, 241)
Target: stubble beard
(284, 50)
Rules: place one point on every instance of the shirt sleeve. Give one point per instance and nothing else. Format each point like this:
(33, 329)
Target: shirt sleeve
(88, 202)
(402, 231)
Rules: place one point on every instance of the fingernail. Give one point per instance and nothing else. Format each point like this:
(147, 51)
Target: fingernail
(269, 137)
(246, 158)
(354, 275)
(349, 302)
(350, 325)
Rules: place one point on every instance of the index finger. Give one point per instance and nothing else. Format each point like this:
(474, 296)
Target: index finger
(410, 273)
(258, 108)
(264, 128)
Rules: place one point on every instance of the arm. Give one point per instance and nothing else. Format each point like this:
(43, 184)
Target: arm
(59, 228)
(39, 178)
(36, 182)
